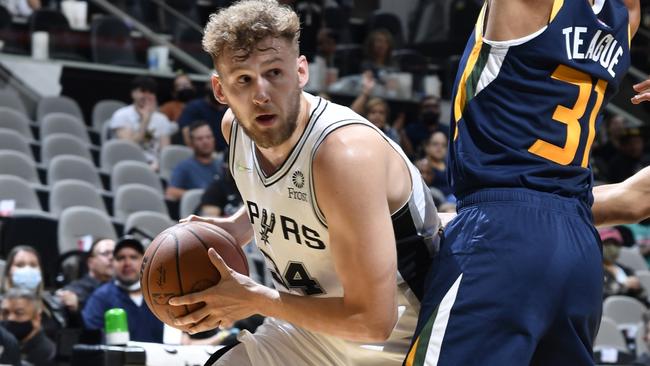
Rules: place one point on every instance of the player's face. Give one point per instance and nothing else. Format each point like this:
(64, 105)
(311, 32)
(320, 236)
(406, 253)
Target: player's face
(127, 264)
(263, 90)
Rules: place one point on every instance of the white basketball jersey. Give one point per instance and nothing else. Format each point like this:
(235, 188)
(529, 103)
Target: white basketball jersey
(291, 232)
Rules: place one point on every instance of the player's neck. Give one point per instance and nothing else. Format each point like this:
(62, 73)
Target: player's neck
(271, 158)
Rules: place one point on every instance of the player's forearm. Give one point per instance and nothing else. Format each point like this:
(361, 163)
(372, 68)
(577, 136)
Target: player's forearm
(625, 202)
(372, 322)
(240, 226)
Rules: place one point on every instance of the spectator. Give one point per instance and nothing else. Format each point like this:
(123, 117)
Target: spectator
(375, 109)
(21, 8)
(141, 123)
(378, 54)
(435, 161)
(644, 358)
(21, 315)
(124, 292)
(221, 198)
(630, 157)
(619, 280)
(24, 270)
(610, 141)
(182, 93)
(199, 170)
(204, 109)
(10, 353)
(100, 270)
(326, 46)
(428, 122)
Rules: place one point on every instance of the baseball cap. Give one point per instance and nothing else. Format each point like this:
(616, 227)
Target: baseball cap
(130, 242)
(610, 233)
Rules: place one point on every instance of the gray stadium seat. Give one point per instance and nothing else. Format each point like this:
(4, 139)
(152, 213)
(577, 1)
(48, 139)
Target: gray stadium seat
(71, 192)
(131, 198)
(17, 121)
(77, 222)
(631, 258)
(19, 190)
(190, 201)
(128, 172)
(114, 151)
(57, 122)
(641, 346)
(609, 335)
(63, 144)
(103, 110)
(170, 156)
(10, 99)
(60, 104)
(73, 167)
(19, 165)
(12, 140)
(623, 309)
(147, 223)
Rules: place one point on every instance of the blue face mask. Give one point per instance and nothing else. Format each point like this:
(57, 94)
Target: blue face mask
(26, 277)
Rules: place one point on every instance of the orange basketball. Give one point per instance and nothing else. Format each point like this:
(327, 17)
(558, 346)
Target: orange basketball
(177, 263)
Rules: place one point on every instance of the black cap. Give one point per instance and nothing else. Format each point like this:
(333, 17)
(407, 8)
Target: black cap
(130, 242)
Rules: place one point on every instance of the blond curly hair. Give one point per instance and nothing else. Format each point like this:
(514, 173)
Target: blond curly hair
(243, 25)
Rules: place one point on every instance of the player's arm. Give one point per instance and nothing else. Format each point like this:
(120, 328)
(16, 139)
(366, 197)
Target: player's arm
(625, 202)
(362, 245)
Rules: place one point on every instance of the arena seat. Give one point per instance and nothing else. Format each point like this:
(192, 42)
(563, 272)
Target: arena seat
(9, 99)
(71, 192)
(61, 104)
(102, 112)
(128, 172)
(17, 121)
(147, 223)
(12, 140)
(77, 222)
(73, 167)
(58, 122)
(170, 156)
(135, 197)
(114, 151)
(18, 164)
(63, 144)
(623, 309)
(190, 201)
(17, 189)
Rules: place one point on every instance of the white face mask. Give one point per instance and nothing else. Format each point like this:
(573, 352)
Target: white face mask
(27, 277)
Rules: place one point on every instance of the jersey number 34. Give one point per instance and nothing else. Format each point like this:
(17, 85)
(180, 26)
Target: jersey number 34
(565, 155)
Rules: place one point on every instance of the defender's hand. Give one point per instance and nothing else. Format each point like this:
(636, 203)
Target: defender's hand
(643, 92)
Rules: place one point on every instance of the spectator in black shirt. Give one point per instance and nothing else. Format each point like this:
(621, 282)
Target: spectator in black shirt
(221, 198)
(100, 270)
(10, 353)
(630, 158)
(21, 315)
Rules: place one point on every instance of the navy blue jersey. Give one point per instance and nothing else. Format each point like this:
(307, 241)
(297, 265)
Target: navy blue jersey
(525, 111)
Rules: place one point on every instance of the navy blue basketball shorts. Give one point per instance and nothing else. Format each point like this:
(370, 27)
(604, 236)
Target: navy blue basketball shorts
(518, 281)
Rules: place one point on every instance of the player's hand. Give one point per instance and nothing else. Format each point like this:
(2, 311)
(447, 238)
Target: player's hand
(643, 92)
(232, 299)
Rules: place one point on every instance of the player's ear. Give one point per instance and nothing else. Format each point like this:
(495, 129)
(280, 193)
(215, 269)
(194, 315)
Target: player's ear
(303, 71)
(217, 88)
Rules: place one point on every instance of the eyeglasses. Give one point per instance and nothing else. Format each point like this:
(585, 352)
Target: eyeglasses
(105, 254)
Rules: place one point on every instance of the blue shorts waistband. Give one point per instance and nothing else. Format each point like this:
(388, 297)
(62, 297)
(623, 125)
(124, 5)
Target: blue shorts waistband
(523, 195)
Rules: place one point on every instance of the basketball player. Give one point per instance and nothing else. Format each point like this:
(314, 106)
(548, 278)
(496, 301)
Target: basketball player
(518, 279)
(343, 218)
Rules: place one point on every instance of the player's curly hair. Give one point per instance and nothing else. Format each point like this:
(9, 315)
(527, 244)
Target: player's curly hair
(243, 25)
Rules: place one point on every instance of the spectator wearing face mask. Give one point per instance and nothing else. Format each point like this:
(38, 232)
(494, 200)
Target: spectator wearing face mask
(182, 93)
(428, 122)
(124, 292)
(22, 316)
(24, 270)
(619, 280)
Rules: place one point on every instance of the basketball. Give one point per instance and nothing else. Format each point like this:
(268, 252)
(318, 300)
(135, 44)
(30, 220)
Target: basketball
(176, 263)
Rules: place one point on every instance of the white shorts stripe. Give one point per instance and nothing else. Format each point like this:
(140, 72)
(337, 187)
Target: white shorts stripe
(440, 324)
